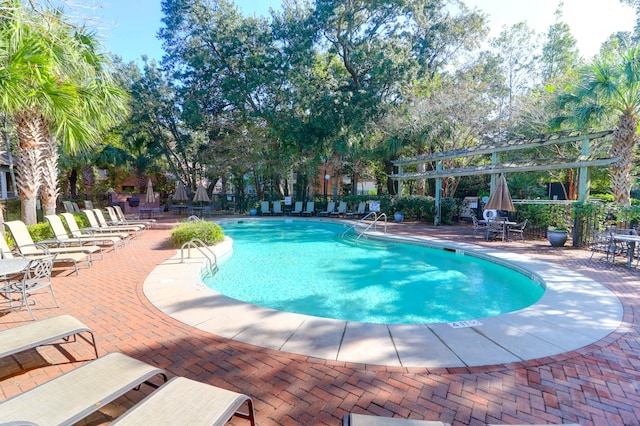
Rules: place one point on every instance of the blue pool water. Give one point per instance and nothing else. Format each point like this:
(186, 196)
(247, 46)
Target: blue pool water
(306, 267)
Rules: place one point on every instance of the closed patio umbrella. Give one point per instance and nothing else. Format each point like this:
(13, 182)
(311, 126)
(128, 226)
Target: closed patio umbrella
(500, 199)
(181, 193)
(150, 196)
(201, 194)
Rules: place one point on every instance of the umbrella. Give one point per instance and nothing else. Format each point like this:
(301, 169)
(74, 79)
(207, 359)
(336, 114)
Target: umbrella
(500, 198)
(181, 193)
(150, 196)
(201, 194)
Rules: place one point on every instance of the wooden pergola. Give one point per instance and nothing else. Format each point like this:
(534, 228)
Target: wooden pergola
(581, 162)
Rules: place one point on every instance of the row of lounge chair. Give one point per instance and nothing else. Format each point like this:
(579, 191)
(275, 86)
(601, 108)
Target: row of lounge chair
(309, 210)
(69, 398)
(80, 249)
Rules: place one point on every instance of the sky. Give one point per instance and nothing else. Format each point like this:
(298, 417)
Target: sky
(129, 27)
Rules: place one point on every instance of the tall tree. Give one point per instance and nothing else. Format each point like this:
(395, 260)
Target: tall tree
(58, 89)
(559, 51)
(609, 90)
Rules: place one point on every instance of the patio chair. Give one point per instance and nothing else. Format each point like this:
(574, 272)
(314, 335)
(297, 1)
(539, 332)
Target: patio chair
(28, 248)
(477, 226)
(310, 209)
(68, 207)
(517, 229)
(495, 228)
(69, 398)
(188, 402)
(43, 332)
(61, 235)
(88, 204)
(76, 207)
(37, 276)
(264, 208)
(342, 209)
(331, 206)
(277, 209)
(115, 219)
(362, 206)
(602, 242)
(76, 232)
(297, 209)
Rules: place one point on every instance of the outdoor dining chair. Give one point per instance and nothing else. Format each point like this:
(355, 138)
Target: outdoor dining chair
(37, 276)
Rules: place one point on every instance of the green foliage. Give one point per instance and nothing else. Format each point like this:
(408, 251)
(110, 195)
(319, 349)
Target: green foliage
(210, 233)
(40, 231)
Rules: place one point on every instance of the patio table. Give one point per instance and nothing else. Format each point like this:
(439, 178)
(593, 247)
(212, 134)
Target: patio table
(631, 241)
(13, 266)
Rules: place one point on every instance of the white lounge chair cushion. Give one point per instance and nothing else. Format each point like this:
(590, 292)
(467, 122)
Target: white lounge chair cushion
(78, 393)
(187, 402)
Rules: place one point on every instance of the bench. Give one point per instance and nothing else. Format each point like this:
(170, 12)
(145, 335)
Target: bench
(73, 396)
(32, 335)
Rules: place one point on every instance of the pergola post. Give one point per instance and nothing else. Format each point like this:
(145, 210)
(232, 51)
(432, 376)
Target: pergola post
(400, 171)
(436, 219)
(583, 176)
(494, 161)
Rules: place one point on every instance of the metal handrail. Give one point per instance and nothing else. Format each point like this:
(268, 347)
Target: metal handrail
(376, 218)
(375, 221)
(198, 244)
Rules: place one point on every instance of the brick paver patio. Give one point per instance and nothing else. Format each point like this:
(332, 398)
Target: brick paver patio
(596, 385)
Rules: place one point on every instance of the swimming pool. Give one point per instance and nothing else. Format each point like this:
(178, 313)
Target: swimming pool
(305, 267)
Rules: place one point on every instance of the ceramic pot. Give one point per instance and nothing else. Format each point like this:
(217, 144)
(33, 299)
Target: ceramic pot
(557, 238)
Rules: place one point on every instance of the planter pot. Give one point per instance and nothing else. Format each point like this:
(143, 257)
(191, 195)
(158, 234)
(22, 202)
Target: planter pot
(398, 217)
(557, 238)
(253, 212)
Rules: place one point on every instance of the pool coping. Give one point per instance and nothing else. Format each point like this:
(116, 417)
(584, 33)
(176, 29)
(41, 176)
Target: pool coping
(558, 323)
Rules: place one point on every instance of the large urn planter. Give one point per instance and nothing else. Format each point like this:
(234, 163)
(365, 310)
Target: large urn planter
(398, 217)
(253, 212)
(557, 237)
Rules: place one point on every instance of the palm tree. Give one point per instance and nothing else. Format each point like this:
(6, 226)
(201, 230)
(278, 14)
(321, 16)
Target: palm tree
(59, 90)
(611, 85)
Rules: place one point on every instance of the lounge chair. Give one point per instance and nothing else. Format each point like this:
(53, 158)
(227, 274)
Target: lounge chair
(88, 204)
(43, 332)
(331, 206)
(68, 207)
(103, 227)
(342, 209)
(277, 208)
(75, 395)
(91, 232)
(61, 235)
(103, 223)
(36, 276)
(309, 210)
(183, 401)
(28, 248)
(365, 420)
(122, 218)
(297, 209)
(264, 208)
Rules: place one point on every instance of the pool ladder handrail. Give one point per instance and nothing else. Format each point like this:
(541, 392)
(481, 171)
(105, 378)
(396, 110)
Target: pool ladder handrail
(198, 244)
(376, 219)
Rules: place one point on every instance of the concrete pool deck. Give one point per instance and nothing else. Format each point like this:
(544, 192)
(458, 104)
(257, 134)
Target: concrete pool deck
(574, 312)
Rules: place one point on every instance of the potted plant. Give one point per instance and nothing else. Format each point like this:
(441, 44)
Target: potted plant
(398, 216)
(557, 236)
(253, 211)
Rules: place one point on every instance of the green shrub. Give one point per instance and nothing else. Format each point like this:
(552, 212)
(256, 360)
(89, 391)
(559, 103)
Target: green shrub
(210, 233)
(40, 231)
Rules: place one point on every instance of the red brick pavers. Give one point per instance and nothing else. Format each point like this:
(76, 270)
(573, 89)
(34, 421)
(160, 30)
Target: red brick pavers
(596, 385)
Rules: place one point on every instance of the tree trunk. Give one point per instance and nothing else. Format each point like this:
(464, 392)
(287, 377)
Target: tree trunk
(30, 127)
(73, 183)
(49, 189)
(624, 140)
(88, 180)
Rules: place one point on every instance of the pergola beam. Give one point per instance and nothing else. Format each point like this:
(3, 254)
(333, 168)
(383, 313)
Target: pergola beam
(503, 168)
(507, 146)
